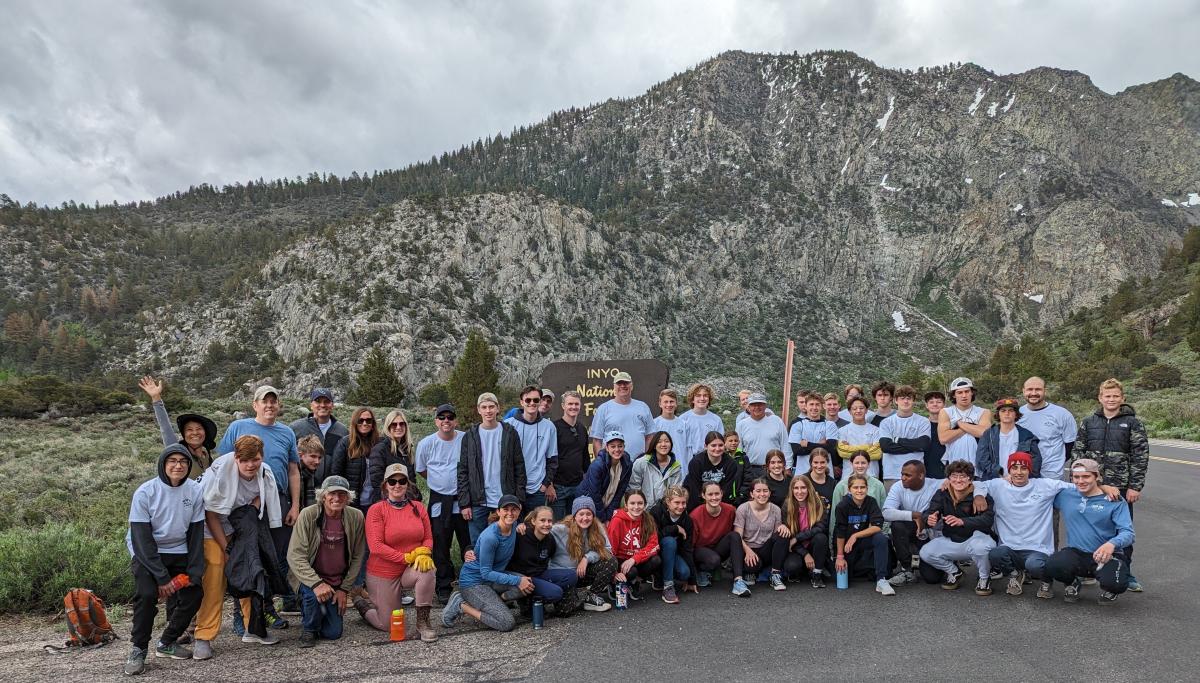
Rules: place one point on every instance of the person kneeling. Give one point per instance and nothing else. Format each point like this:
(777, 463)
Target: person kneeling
(675, 532)
(862, 547)
(324, 557)
(166, 542)
(959, 531)
(1099, 533)
(484, 573)
(535, 547)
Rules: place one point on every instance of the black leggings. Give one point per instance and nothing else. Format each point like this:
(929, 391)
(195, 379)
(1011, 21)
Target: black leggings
(709, 558)
(818, 546)
(643, 569)
(770, 554)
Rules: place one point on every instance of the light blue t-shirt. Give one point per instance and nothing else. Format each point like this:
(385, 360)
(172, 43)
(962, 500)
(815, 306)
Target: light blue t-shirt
(1024, 514)
(279, 446)
(698, 427)
(1055, 427)
(539, 443)
(493, 551)
(815, 432)
(489, 439)
(633, 420)
(680, 433)
(758, 437)
(1095, 520)
(169, 510)
(438, 459)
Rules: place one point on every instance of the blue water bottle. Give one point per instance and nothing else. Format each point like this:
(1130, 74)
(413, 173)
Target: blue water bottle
(843, 580)
(539, 614)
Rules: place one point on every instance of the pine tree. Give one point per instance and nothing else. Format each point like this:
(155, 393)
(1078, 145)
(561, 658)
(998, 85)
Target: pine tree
(378, 384)
(474, 374)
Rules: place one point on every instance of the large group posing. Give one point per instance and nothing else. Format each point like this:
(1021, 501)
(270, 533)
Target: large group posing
(327, 516)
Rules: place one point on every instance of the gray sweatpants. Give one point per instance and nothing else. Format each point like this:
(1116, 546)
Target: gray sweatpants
(941, 552)
(493, 612)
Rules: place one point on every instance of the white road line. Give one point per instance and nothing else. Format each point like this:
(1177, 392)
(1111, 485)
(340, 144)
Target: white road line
(1176, 443)
(1175, 460)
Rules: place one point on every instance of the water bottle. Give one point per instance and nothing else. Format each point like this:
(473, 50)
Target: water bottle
(539, 614)
(622, 595)
(397, 631)
(843, 579)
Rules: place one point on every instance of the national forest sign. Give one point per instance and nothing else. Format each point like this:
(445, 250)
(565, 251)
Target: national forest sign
(593, 380)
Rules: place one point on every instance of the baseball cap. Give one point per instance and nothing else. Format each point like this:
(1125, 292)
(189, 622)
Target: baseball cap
(756, 398)
(960, 383)
(335, 483)
(613, 436)
(1010, 403)
(1086, 465)
(445, 408)
(622, 376)
(321, 392)
(507, 500)
(265, 389)
(546, 393)
(485, 397)
(395, 468)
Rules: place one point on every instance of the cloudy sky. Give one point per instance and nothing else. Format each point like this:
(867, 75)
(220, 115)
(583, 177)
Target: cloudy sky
(126, 99)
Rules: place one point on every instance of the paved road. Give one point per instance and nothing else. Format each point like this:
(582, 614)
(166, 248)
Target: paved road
(923, 634)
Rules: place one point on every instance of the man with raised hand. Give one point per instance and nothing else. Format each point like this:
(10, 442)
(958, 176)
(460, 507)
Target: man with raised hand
(1099, 533)
(539, 446)
(903, 435)
(1115, 438)
(626, 414)
(437, 461)
(490, 465)
(1053, 425)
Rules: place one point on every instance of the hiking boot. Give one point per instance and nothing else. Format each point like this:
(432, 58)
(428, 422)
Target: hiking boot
(172, 651)
(777, 582)
(203, 649)
(595, 603)
(1071, 594)
(186, 637)
(308, 639)
(984, 587)
(261, 640)
(902, 578)
(453, 610)
(668, 594)
(882, 586)
(953, 580)
(1046, 590)
(275, 622)
(1015, 583)
(1106, 598)
(135, 663)
(817, 580)
(740, 588)
(703, 579)
(428, 635)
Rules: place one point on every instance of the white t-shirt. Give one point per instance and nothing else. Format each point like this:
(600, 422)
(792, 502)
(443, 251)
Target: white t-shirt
(698, 427)
(247, 491)
(489, 439)
(1006, 447)
(844, 413)
(895, 427)
(1024, 514)
(859, 435)
(815, 432)
(170, 510)
(964, 447)
(438, 459)
(1055, 427)
(633, 420)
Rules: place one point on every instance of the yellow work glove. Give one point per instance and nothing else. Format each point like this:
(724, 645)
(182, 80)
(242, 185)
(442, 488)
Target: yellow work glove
(424, 563)
(411, 556)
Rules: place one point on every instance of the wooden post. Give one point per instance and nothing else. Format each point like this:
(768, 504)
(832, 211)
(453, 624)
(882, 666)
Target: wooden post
(787, 381)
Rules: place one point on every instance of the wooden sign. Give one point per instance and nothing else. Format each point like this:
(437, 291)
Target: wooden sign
(593, 380)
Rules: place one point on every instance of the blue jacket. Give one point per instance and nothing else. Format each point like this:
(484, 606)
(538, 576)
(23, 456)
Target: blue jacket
(596, 481)
(987, 460)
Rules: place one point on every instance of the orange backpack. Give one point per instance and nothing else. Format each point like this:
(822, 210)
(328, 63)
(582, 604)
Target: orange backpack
(87, 622)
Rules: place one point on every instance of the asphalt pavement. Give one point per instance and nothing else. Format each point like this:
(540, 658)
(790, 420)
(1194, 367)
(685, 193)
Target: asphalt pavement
(922, 634)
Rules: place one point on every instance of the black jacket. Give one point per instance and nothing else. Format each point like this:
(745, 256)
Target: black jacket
(944, 505)
(353, 469)
(669, 529)
(531, 557)
(728, 473)
(850, 518)
(381, 458)
(1120, 446)
(311, 480)
(252, 567)
(309, 426)
(573, 458)
(470, 467)
(987, 458)
(806, 536)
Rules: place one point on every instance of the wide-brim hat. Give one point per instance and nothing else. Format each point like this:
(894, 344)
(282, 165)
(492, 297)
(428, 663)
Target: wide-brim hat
(210, 428)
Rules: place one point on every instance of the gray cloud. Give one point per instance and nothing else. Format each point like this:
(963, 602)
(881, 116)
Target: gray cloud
(134, 99)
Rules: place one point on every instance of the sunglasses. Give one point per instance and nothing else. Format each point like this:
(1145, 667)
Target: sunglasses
(397, 424)
(366, 421)
(445, 417)
(397, 482)
(531, 401)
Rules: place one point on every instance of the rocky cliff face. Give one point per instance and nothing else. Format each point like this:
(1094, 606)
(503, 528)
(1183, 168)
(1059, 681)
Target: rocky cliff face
(878, 216)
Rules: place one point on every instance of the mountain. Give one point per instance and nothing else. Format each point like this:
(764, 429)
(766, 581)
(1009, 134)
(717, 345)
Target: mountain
(881, 217)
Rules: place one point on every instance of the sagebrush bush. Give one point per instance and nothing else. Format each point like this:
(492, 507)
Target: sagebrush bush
(38, 566)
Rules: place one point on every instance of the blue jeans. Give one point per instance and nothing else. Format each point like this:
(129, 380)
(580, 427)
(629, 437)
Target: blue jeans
(564, 497)
(478, 521)
(551, 584)
(1006, 560)
(321, 618)
(532, 500)
(673, 565)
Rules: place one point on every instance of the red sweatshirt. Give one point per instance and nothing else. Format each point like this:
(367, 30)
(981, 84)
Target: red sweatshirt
(711, 529)
(391, 533)
(625, 536)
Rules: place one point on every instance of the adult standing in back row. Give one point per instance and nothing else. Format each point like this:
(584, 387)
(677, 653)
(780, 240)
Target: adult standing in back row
(491, 466)
(1053, 425)
(573, 457)
(437, 462)
(624, 414)
(539, 447)
(761, 433)
(320, 421)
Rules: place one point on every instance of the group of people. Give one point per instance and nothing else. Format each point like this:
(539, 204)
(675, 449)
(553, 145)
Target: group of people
(671, 503)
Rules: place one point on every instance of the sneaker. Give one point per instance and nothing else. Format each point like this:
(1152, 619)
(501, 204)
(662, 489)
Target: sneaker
(237, 625)
(635, 590)
(172, 651)
(817, 580)
(984, 587)
(261, 640)
(703, 579)
(1106, 598)
(995, 575)
(777, 582)
(903, 577)
(275, 622)
(453, 610)
(595, 603)
(656, 584)
(953, 580)
(1046, 590)
(203, 649)
(882, 586)
(1071, 594)
(1015, 584)
(308, 639)
(1134, 586)
(668, 594)
(407, 600)
(740, 588)
(1088, 581)
(135, 663)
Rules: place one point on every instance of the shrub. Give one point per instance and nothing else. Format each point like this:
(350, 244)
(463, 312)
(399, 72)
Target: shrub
(434, 395)
(1161, 376)
(1084, 381)
(1142, 359)
(13, 403)
(38, 567)
(378, 384)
